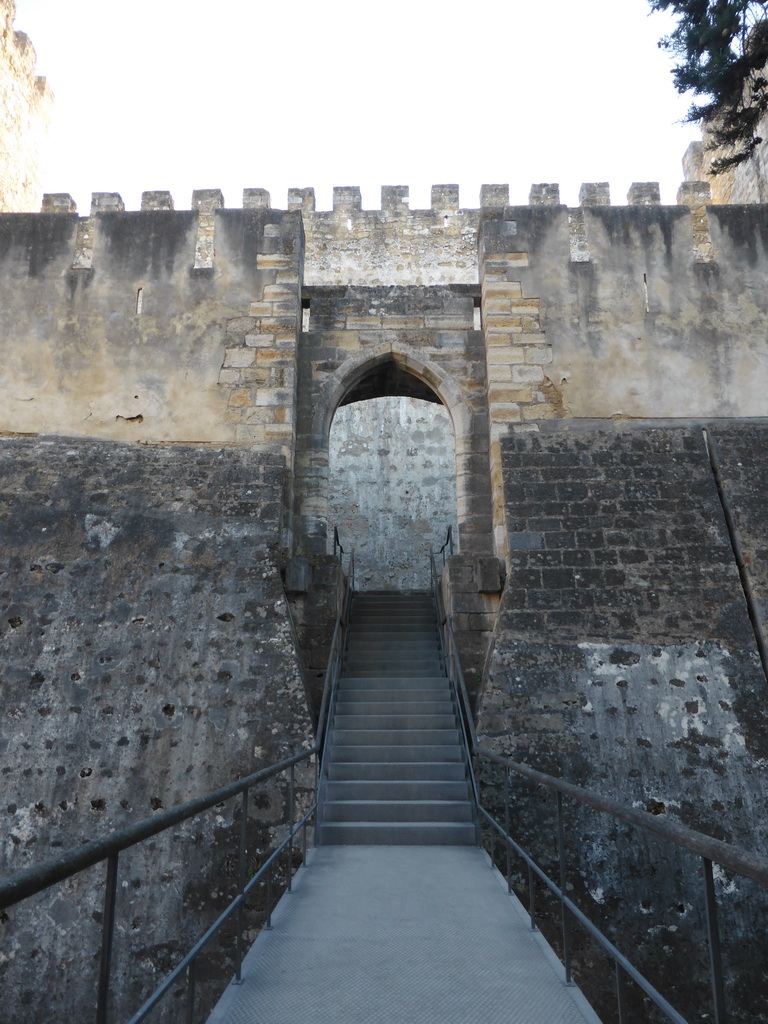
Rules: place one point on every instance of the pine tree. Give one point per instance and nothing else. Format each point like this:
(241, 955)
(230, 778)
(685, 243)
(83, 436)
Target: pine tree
(722, 46)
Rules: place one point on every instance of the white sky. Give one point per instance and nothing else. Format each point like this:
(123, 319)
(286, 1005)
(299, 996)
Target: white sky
(165, 94)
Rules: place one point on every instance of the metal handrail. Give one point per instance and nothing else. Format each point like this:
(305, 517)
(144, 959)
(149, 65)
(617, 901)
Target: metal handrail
(712, 851)
(331, 686)
(452, 663)
(33, 880)
(447, 543)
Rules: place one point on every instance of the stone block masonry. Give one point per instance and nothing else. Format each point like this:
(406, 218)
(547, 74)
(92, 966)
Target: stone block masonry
(25, 114)
(624, 659)
(147, 658)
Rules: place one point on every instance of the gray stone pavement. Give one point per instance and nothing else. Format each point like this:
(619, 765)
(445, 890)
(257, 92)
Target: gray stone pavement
(401, 935)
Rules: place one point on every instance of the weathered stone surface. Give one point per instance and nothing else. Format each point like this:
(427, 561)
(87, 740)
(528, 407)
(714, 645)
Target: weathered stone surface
(298, 575)
(25, 113)
(392, 488)
(624, 660)
(147, 658)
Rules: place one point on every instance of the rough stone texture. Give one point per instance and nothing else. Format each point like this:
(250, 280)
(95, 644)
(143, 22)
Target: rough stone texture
(392, 488)
(147, 658)
(361, 343)
(391, 246)
(82, 354)
(25, 113)
(739, 452)
(624, 660)
(745, 183)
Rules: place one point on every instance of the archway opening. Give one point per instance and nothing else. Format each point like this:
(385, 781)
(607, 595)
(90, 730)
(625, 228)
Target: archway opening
(392, 477)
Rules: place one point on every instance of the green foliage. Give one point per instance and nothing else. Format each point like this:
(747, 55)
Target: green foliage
(722, 47)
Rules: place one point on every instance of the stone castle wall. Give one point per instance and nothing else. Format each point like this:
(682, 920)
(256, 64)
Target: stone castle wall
(624, 659)
(147, 659)
(25, 113)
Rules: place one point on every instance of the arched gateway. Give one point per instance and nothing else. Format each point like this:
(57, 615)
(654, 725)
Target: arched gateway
(389, 370)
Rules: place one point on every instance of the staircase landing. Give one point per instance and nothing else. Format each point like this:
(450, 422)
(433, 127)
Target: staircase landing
(401, 935)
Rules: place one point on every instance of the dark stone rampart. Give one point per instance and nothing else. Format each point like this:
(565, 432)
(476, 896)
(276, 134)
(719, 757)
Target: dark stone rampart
(147, 658)
(624, 660)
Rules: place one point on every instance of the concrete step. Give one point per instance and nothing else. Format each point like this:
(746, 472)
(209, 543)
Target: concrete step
(396, 706)
(408, 644)
(397, 753)
(381, 671)
(405, 684)
(404, 789)
(395, 737)
(347, 721)
(388, 625)
(397, 810)
(397, 834)
(401, 771)
(375, 664)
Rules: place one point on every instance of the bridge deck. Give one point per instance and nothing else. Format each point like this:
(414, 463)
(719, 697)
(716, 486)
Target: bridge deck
(397, 935)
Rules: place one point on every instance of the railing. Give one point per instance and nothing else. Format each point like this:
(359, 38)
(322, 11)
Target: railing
(447, 546)
(331, 685)
(36, 879)
(449, 652)
(338, 552)
(711, 851)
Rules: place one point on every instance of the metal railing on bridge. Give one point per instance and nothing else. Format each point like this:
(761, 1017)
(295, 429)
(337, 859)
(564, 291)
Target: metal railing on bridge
(36, 879)
(710, 851)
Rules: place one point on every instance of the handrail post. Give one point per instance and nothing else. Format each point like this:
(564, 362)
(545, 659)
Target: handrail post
(532, 899)
(713, 933)
(107, 936)
(291, 794)
(242, 871)
(563, 908)
(621, 995)
(506, 828)
(190, 1015)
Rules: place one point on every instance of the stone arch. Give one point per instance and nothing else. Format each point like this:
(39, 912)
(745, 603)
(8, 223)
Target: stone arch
(472, 480)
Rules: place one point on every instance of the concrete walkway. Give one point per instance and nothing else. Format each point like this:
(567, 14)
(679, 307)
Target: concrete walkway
(401, 935)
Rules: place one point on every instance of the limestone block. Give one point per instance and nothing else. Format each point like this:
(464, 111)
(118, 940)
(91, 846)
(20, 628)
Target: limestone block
(494, 195)
(445, 197)
(298, 575)
(347, 198)
(256, 198)
(58, 202)
(694, 193)
(206, 200)
(544, 194)
(394, 198)
(644, 193)
(595, 193)
(301, 199)
(238, 357)
(156, 200)
(488, 575)
(102, 202)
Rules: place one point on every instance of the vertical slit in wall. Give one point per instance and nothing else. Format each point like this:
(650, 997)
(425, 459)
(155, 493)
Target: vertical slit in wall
(478, 318)
(139, 301)
(305, 315)
(746, 582)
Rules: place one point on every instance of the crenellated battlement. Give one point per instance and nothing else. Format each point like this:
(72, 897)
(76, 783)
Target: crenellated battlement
(347, 199)
(395, 245)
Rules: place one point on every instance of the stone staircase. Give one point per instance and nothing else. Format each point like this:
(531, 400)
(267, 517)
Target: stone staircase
(396, 764)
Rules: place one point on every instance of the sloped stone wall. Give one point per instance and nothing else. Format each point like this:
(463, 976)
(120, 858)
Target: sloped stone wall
(624, 660)
(147, 658)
